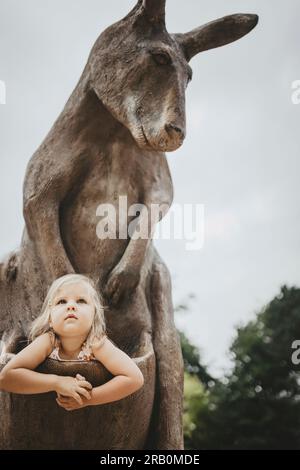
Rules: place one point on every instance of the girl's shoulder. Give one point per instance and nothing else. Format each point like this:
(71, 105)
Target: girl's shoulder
(98, 343)
(44, 342)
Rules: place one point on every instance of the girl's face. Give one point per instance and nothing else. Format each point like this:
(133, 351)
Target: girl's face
(72, 311)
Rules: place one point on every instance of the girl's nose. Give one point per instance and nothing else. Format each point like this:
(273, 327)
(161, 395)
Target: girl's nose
(71, 307)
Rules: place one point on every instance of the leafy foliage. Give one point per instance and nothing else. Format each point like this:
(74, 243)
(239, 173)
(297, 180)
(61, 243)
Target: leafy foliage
(257, 405)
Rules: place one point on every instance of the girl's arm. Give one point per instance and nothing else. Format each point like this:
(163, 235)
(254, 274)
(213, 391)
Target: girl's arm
(128, 377)
(18, 375)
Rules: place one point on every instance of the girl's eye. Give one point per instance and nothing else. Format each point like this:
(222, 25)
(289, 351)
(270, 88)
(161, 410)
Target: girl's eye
(80, 301)
(61, 301)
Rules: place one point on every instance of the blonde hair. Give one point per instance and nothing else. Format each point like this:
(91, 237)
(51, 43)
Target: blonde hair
(42, 323)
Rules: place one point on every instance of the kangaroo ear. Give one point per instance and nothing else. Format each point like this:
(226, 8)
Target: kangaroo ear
(155, 10)
(216, 33)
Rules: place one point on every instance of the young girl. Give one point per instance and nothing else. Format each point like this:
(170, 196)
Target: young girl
(71, 326)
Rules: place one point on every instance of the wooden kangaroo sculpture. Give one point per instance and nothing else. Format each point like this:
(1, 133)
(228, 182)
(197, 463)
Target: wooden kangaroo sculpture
(127, 109)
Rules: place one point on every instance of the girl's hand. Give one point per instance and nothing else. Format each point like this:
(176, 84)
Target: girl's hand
(73, 387)
(70, 404)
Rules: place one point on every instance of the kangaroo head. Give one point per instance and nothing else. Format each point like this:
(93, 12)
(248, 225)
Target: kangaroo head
(140, 72)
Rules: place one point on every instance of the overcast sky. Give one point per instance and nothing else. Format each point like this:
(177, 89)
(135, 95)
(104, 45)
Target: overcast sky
(240, 157)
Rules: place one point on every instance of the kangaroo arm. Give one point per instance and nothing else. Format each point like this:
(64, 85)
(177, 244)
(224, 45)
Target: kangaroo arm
(142, 235)
(50, 176)
(41, 213)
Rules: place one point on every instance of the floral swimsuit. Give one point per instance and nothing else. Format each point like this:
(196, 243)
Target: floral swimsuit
(85, 354)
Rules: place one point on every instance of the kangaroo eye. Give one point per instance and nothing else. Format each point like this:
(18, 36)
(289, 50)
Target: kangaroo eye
(161, 58)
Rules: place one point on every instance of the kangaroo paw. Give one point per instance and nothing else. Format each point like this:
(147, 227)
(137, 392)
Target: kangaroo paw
(12, 268)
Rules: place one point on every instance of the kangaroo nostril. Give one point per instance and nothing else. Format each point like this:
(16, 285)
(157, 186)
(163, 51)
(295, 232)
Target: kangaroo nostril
(171, 128)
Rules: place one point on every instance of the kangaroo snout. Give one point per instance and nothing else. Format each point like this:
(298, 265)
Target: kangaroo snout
(175, 132)
(172, 137)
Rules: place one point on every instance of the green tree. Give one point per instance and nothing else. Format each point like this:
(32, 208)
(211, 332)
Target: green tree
(197, 381)
(257, 405)
(192, 361)
(196, 398)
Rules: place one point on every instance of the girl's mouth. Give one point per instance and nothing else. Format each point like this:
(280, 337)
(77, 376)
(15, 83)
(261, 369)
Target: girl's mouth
(71, 315)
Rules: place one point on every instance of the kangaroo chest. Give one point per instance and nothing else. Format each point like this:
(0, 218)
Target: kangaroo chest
(105, 196)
